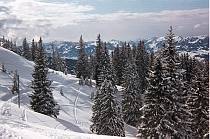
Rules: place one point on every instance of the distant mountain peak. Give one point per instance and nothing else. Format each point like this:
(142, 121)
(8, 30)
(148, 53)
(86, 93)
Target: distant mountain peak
(195, 45)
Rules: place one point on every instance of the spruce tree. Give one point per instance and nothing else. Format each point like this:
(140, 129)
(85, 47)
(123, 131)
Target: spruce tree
(26, 49)
(152, 122)
(42, 100)
(130, 103)
(117, 65)
(198, 101)
(111, 122)
(171, 114)
(98, 55)
(142, 65)
(55, 62)
(92, 65)
(33, 50)
(82, 62)
(106, 118)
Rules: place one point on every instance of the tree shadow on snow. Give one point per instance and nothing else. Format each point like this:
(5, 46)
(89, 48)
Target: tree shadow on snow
(70, 126)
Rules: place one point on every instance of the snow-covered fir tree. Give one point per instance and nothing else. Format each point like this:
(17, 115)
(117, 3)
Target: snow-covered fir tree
(142, 64)
(56, 62)
(198, 101)
(107, 118)
(82, 62)
(117, 65)
(14, 48)
(26, 50)
(122, 61)
(111, 122)
(98, 55)
(152, 122)
(42, 100)
(33, 50)
(169, 98)
(92, 66)
(130, 102)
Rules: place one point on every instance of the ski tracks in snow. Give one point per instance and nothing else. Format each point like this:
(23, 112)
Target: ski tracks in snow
(75, 107)
(75, 104)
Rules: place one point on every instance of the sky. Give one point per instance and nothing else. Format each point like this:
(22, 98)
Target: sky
(113, 19)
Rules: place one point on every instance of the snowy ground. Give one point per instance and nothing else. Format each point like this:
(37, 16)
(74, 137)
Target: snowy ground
(74, 119)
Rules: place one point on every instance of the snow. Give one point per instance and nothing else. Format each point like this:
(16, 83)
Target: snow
(195, 41)
(74, 119)
(161, 39)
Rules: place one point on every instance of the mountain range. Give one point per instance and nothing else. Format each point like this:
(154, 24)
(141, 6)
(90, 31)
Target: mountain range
(197, 46)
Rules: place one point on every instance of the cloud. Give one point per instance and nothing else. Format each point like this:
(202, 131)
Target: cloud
(66, 21)
(197, 25)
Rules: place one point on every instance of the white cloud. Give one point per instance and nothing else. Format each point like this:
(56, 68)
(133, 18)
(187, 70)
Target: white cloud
(52, 20)
(197, 25)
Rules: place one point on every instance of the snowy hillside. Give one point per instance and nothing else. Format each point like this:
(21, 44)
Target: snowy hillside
(196, 46)
(74, 119)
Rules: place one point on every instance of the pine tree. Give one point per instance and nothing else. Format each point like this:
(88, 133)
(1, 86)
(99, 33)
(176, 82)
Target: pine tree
(117, 65)
(82, 63)
(198, 102)
(130, 103)
(106, 118)
(98, 55)
(42, 100)
(111, 122)
(152, 122)
(171, 114)
(14, 48)
(142, 66)
(151, 60)
(26, 49)
(92, 66)
(55, 62)
(123, 60)
(33, 50)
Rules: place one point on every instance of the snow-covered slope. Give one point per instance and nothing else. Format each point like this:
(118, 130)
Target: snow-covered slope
(74, 119)
(195, 45)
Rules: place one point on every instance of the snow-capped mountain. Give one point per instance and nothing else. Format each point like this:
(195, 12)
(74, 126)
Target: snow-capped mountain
(197, 46)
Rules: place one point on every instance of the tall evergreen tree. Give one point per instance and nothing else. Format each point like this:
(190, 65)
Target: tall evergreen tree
(42, 100)
(98, 55)
(26, 49)
(198, 102)
(122, 63)
(130, 103)
(141, 61)
(171, 114)
(14, 48)
(82, 63)
(107, 119)
(56, 62)
(33, 50)
(117, 65)
(152, 124)
(92, 66)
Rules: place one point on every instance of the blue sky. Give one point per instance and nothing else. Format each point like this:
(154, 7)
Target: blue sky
(114, 19)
